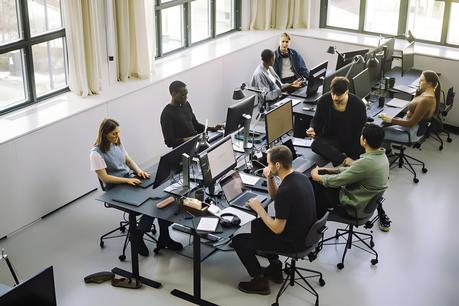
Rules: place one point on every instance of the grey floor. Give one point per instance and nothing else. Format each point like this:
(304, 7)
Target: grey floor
(418, 258)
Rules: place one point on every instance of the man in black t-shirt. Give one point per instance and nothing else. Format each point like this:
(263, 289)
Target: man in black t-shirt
(337, 124)
(178, 121)
(295, 207)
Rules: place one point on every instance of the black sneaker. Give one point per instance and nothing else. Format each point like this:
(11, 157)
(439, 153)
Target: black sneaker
(384, 222)
(274, 272)
(142, 247)
(258, 285)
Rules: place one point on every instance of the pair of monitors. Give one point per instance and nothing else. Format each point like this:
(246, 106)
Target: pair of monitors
(217, 160)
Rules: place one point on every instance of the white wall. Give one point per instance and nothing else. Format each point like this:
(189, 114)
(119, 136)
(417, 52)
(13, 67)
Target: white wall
(46, 169)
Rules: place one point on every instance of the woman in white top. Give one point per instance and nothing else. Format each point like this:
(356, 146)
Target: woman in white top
(113, 165)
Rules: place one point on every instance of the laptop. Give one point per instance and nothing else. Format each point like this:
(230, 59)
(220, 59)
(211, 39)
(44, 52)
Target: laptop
(236, 193)
(299, 164)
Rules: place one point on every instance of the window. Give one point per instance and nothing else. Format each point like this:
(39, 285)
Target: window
(382, 16)
(453, 33)
(182, 23)
(32, 52)
(429, 20)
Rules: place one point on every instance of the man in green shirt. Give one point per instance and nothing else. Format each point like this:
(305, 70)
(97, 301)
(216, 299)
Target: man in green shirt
(349, 189)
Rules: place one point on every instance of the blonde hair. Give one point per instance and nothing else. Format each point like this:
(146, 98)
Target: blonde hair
(285, 36)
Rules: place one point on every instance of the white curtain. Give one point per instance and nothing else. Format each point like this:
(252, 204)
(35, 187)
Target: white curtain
(278, 14)
(133, 52)
(82, 19)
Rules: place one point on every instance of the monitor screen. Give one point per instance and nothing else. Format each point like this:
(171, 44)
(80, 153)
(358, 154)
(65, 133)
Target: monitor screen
(37, 290)
(171, 162)
(316, 78)
(279, 122)
(220, 159)
(389, 43)
(349, 71)
(362, 84)
(347, 57)
(234, 119)
(408, 58)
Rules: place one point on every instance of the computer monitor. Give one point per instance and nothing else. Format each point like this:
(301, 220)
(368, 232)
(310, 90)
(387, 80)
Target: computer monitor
(316, 78)
(362, 84)
(37, 290)
(408, 58)
(347, 57)
(350, 70)
(279, 122)
(234, 118)
(389, 43)
(170, 163)
(217, 160)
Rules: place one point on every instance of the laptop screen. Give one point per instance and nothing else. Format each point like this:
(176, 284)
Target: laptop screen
(232, 186)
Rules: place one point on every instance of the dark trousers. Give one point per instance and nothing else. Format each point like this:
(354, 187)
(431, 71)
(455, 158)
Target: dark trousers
(146, 222)
(327, 199)
(260, 239)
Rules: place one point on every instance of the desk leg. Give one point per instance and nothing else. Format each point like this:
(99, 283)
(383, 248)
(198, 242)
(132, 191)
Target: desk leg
(135, 257)
(196, 297)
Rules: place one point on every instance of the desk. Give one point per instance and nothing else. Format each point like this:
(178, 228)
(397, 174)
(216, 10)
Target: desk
(4, 289)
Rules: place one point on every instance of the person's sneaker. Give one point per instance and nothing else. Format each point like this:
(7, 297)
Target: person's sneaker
(142, 247)
(258, 285)
(384, 222)
(169, 244)
(274, 272)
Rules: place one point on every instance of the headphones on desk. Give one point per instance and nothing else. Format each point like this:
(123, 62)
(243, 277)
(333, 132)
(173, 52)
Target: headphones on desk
(235, 221)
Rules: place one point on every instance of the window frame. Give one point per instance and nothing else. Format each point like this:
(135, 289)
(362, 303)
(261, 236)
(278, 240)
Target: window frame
(402, 21)
(24, 44)
(186, 6)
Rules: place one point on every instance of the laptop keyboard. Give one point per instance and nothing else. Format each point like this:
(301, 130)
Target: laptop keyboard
(244, 198)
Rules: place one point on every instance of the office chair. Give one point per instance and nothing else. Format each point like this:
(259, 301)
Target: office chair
(124, 225)
(406, 161)
(437, 128)
(310, 250)
(350, 232)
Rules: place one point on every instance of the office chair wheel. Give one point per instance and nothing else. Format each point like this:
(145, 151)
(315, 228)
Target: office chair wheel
(102, 244)
(440, 148)
(374, 261)
(368, 225)
(340, 266)
(321, 282)
(122, 229)
(156, 250)
(416, 180)
(275, 304)
(424, 170)
(312, 256)
(372, 243)
(122, 257)
(449, 139)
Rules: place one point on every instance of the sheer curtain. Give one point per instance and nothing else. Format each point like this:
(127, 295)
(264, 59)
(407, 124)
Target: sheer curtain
(83, 21)
(132, 38)
(278, 14)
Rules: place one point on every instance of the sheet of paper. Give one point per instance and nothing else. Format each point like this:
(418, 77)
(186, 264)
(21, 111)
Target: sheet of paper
(302, 142)
(245, 217)
(248, 179)
(207, 224)
(399, 103)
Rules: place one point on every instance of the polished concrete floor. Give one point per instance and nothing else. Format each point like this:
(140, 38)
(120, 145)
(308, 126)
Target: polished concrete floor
(418, 258)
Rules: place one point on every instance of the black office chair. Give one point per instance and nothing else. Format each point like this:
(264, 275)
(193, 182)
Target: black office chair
(437, 127)
(350, 232)
(124, 225)
(404, 160)
(310, 250)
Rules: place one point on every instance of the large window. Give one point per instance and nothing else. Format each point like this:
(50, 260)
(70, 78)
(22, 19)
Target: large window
(182, 23)
(433, 21)
(32, 52)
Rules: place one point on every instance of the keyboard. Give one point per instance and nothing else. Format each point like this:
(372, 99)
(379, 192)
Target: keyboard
(374, 110)
(244, 199)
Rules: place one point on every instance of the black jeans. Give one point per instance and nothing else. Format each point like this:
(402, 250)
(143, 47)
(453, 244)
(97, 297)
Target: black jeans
(332, 150)
(146, 222)
(327, 198)
(260, 239)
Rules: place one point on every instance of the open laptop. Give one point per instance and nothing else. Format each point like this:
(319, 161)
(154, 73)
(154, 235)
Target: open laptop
(236, 193)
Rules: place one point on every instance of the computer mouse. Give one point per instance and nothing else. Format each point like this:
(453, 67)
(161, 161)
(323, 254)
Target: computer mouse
(370, 119)
(264, 183)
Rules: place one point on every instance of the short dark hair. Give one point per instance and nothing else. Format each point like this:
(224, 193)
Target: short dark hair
(175, 86)
(339, 85)
(373, 134)
(266, 55)
(282, 155)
